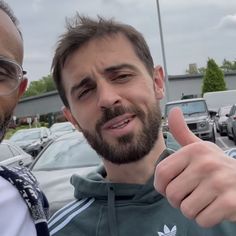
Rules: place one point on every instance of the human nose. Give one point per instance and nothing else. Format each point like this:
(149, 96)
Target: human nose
(107, 96)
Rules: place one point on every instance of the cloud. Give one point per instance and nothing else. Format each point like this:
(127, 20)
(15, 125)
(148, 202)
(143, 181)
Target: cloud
(227, 22)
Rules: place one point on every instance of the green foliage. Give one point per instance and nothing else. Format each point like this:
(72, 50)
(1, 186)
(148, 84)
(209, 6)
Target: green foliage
(228, 66)
(213, 79)
(46, 84)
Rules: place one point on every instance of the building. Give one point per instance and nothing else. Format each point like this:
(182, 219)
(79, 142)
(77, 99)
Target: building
(50, 104)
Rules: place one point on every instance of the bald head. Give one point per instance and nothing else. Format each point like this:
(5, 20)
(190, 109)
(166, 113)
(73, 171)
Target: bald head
(11, 43)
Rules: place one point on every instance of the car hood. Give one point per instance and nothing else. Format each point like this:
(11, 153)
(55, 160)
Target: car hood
(190, 119)
(222, 119)
(57, 187)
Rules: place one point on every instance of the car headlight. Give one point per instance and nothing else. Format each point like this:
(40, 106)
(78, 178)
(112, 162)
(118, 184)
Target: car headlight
(203, 125)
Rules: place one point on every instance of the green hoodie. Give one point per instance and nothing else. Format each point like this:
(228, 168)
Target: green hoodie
(113, 209)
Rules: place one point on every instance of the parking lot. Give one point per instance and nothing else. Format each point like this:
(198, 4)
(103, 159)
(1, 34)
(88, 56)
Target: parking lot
(224, 142)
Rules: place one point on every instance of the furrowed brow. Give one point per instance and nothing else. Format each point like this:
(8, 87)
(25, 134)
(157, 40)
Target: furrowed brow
(115, 68)
(80, 85)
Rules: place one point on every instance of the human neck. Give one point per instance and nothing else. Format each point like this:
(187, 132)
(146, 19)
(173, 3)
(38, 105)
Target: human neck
(137, 172)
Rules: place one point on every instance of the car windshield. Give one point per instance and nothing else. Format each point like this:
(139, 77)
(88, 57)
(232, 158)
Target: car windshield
(188, 108)
(224, 110)
(25, 135)
(67, 153)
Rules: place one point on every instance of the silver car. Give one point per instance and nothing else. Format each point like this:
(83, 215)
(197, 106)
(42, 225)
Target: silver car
(31, 140)
(13, 155)
(231, 123)
(58, 129)
(220, 119)
(61, 158)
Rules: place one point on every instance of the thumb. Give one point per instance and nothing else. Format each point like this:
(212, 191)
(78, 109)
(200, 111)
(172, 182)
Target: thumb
(179, 128)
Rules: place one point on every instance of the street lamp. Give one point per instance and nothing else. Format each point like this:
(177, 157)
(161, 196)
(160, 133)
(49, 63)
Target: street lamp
(163, 52)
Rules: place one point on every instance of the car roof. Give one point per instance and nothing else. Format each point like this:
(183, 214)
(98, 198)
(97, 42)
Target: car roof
(185, 100)
(75, 134)
(62, 123)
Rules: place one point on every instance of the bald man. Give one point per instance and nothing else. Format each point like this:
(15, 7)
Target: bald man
(21, 202)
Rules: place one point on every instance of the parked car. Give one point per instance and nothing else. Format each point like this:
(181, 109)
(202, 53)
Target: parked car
(170, 141)
(231, 123)
(218, 99)
(60, 159)
(220, 119)
(32, 140)
(58, 129)
(13, 155)
(196, 115)
(231, 152)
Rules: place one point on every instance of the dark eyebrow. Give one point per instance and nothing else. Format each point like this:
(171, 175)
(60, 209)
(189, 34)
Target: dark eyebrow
(81, 84)
(114, 68)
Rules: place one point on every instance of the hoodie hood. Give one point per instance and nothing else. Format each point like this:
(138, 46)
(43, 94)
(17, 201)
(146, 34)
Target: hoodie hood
(96, 186)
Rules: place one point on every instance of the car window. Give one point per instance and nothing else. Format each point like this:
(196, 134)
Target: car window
(45, 134)
(67, 154)
(25, 135)
(224, 110)
(5, 152)
(188, 108)
(14, 150)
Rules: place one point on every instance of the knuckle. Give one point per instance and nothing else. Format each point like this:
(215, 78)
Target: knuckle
(173, 196)
(187, 210)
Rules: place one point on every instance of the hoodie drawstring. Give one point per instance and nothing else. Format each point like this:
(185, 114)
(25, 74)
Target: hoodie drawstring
(112, 212)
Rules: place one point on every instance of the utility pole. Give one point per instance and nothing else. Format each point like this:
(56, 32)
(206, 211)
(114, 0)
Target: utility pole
(163, 53)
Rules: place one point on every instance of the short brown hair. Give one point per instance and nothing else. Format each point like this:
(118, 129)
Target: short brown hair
(80, 30)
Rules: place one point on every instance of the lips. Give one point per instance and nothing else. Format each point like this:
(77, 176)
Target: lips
(119, 122)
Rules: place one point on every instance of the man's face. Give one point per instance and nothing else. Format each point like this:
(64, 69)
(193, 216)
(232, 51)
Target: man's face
(113, 99)
(11, 48)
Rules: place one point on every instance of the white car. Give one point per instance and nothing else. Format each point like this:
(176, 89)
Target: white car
(58, 129)
(220, 119)
(13, 155)
(60, 159)
(31, 140)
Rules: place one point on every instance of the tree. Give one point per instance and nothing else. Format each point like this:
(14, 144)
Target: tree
(213, 79)
(43, 85)
(228, 65)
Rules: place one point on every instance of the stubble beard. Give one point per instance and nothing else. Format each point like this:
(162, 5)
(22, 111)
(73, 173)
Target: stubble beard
(131, 147)
(4, 122)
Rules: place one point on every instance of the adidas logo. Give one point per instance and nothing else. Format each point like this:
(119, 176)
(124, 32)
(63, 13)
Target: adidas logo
(168, 232)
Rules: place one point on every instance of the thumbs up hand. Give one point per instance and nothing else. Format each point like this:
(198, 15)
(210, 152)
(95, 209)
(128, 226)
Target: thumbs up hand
(198, 178)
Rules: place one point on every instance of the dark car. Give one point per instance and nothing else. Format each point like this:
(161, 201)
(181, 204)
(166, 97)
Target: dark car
(13, 155)
(32, 140)
(60, 159)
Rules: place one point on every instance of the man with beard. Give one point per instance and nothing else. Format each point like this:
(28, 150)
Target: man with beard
(111, 91)
(21, 201)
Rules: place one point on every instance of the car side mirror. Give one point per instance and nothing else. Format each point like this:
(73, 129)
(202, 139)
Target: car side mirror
(20, 163)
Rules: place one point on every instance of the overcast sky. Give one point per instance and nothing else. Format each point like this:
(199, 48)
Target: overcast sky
(193, 29)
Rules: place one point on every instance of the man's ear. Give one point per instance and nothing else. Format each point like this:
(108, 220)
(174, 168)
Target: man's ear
(158, 82)
(67, 113)
(22, 87)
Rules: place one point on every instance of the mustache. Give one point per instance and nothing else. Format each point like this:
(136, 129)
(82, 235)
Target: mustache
(111, 113)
